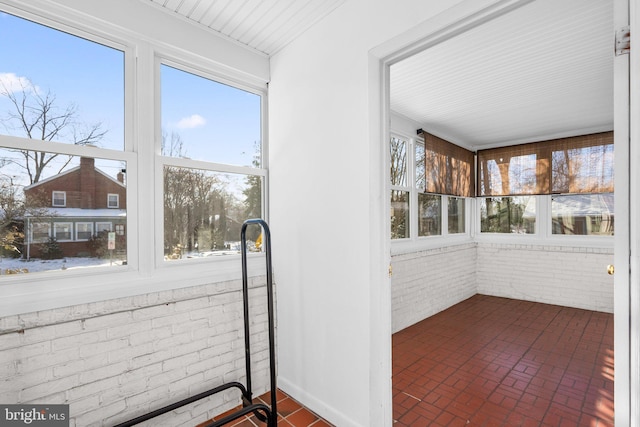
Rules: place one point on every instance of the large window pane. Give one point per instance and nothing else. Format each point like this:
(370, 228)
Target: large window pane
(429, 214)
(456, 215)
(508, 215)
(35, 227)
(206, 120)
(583, 214)
(399, 165)
(399, 214)
(204, 211)
(77, 83)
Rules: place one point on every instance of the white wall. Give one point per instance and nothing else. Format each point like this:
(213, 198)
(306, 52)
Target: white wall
(327, 212)
(114, 360)
(562, 275)
(427, 282)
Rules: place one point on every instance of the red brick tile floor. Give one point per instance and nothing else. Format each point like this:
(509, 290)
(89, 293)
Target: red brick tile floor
(290, 414)
(492, 361)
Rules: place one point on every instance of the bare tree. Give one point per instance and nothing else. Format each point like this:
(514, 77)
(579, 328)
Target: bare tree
(37, 115)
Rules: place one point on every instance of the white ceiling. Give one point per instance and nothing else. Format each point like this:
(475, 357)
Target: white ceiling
(540, 72)
(264, 25)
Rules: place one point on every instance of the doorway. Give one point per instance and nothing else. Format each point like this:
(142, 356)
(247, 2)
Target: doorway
(435, 38)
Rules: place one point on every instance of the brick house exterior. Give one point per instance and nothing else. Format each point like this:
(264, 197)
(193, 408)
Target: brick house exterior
(73, 207)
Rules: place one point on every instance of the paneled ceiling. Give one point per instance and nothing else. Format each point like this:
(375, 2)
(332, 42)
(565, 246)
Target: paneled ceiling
(542, 71)
(539, 72)
(265, 25)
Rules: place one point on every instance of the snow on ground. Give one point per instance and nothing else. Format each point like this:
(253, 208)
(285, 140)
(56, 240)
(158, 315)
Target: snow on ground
(37, 265)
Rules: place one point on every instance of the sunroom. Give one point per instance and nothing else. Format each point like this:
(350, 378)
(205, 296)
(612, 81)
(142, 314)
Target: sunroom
(221, 111)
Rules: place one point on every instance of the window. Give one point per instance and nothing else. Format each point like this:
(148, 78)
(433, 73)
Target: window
(212, 164)
(456, 212)
(583, 214)
(84, 230)
(63, 135)
(59, 198)
(213, 142)
(103, 226)
(428, 187)
(40, 232)
(113, 201)
(400, 191)
(429, 214)
(62, 231)
(572, 178)
(508, 215)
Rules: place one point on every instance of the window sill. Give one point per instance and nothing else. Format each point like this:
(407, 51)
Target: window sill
(57, 289)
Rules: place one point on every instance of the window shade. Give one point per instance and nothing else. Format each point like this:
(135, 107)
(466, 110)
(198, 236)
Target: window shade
(448, 168)
(581, 164)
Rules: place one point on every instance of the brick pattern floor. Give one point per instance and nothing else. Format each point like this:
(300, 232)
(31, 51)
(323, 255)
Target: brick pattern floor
(290, 414)
(492, 361)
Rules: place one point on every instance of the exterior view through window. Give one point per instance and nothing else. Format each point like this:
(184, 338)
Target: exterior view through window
(54, 203)
(212, 165)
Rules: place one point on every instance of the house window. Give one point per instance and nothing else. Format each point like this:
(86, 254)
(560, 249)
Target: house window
(113, 201)
(40, 232)
(456, 215)
(430, 188)
(103, 226)
(120, 229)
(515, 215)
(63, 231)
(72, 160)
(84, 230)
(59, 198)
(212, 155)
(572, 178)
(582, 214)
(400, 190)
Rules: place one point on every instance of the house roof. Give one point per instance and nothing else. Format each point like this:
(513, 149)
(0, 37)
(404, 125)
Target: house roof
(83, 213)
(74, 169)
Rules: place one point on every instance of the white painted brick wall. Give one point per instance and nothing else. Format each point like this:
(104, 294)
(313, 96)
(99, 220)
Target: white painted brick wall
(568, 276)
(427, 282)
(114, 360)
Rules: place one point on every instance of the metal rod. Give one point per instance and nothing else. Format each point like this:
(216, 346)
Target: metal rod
(270, 309)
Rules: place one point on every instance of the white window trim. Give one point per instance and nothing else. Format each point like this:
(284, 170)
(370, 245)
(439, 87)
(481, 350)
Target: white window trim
(32, 225)
(55, 231)
(99, 223)
(90, 224)
(414, 242)
(117, 197)
(543, 234)
(53, 199)
(142, 274)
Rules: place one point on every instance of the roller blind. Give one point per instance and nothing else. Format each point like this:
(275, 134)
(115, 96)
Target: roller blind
(448, 168)
(581, 164)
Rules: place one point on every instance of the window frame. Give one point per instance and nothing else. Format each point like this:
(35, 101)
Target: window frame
(98, 223)
(55, 231)
(31, 226)
(53, 199)
(117, 199)
(77, 230)
(188, 65)
(143, 272)
(414, 241)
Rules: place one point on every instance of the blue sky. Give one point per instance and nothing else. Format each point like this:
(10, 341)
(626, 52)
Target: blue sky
(216, 122)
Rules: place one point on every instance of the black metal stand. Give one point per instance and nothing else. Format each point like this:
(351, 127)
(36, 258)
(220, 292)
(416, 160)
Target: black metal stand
(262, 411)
